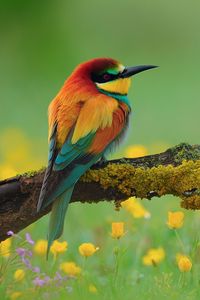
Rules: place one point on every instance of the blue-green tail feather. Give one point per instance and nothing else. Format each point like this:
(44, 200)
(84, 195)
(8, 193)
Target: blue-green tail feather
(57, 217)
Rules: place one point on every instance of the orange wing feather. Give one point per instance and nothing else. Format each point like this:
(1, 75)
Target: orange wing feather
(106, 135)
(96, 113)
(65, 115)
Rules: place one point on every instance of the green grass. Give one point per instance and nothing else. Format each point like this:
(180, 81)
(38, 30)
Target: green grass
(41, 44)
(125, 277)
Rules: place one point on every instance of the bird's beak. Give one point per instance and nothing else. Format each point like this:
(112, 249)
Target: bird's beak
(130, 71)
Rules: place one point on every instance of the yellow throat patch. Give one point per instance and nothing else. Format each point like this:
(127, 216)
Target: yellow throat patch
(118, 86)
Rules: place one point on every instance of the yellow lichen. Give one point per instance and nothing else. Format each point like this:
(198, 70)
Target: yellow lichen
(163, 179)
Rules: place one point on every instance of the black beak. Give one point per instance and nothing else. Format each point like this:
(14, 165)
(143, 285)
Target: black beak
(130, 71)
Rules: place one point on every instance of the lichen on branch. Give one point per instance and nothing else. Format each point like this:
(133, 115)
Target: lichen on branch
(169, 179)
(175, 171)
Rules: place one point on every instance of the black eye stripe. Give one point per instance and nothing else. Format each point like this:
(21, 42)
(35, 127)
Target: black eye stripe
(104, 77)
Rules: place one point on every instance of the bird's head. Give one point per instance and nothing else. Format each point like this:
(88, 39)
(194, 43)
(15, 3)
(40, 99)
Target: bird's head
(108, 75)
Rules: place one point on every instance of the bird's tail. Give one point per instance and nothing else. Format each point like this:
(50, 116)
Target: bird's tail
(57, 217)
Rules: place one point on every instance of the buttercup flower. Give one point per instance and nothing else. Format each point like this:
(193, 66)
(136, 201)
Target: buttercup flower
(6, 171)
(40, 247)
(58, 247)
(133, 206)
(5, 248)
(178, 256)
(184, 263)
(175, 219)
(23, 153)
(92, 289)
(154, 256)
(117, 230)
(135, 151)
(15, 295)
(87, 249)
(70, 268)
(19, 275)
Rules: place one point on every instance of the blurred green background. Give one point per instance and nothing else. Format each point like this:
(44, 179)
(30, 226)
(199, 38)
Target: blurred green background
(41, 42)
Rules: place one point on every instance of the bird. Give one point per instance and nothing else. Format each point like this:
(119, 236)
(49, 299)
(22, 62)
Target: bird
(87, 118)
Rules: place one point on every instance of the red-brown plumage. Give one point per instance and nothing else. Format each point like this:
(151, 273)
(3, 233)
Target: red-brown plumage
(93, 66)
(104, 136)
(81, 76)
(76, 91)
(84, 122)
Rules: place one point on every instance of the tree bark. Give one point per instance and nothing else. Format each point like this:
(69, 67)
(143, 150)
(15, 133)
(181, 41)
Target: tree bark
(175, 171)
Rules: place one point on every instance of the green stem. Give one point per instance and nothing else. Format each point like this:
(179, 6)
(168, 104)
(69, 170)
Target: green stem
(116, 255)
(179, 240)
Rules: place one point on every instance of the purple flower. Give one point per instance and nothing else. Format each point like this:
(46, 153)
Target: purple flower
(27, 263)
(29, 239)
(38, 281)
(10, 233)
(29, 253)
(36, 269)
(21, 252)
(58, 276)
(47, 279)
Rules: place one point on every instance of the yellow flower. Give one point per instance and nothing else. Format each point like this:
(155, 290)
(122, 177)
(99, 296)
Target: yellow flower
(133, 206)
(58, 247)
(6, 171)
(175, 219)
(92, 289)
(117, 230)
(5, 247)
(40, 247)
(87, 249)
(184, 263)
(70, 268)
(15, 295)
(23, 154)
(154, 256)
(135, 151)
(19, 275)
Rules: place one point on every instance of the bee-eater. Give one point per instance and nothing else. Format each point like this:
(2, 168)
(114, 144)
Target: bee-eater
(86, 119)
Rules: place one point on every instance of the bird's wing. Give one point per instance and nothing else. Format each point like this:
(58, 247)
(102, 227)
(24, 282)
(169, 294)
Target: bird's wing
(81, 148)
(58, 176)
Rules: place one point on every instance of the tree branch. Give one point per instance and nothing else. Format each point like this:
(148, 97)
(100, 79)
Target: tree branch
(175, 171)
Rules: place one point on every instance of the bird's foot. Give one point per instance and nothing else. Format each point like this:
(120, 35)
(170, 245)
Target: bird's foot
(102, 161)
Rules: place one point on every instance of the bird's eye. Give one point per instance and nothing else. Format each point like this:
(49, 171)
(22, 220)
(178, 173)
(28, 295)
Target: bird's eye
(106, 77)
